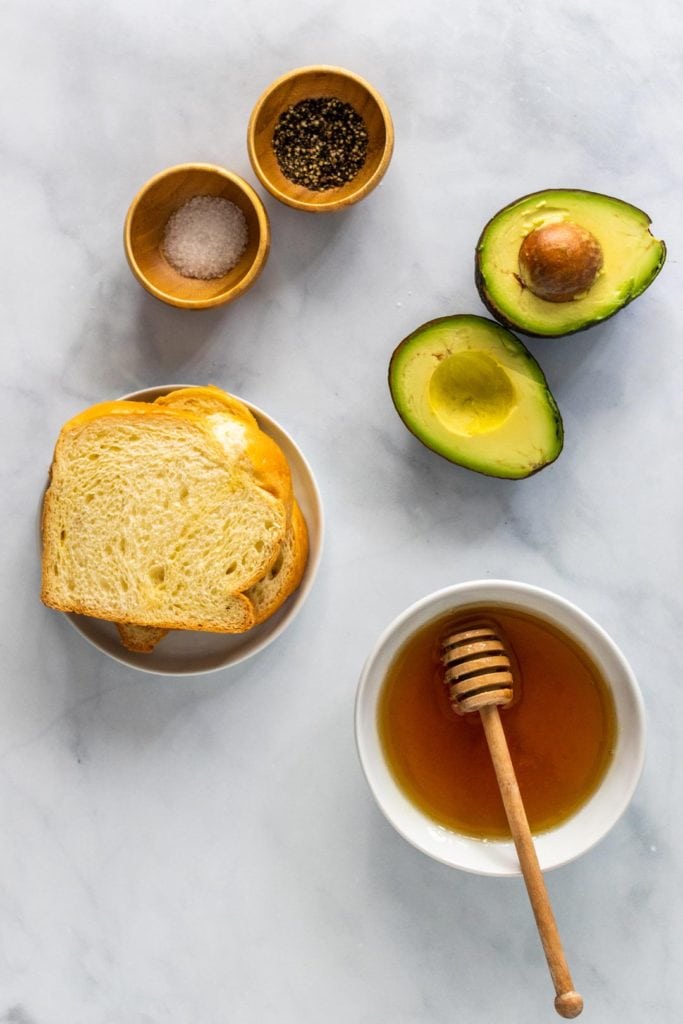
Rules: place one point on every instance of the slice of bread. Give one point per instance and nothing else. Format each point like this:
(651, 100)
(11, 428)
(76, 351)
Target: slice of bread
(266, 596)
(235, 427)
(148, 521)
(285, 575)
(207, 398)
(141, 639)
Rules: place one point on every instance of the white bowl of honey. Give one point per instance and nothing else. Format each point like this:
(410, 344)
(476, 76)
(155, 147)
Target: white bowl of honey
(576, 730)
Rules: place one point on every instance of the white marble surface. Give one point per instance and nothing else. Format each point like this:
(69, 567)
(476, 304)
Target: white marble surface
(205, 849)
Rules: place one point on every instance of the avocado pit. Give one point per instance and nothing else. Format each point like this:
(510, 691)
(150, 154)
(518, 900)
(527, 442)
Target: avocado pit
(559, 262)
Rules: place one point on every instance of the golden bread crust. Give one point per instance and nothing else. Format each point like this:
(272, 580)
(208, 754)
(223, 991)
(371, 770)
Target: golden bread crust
(270, 593)
(266, 459)
(207, 398)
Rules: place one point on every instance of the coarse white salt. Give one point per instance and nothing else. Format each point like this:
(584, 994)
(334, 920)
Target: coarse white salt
(205, 237)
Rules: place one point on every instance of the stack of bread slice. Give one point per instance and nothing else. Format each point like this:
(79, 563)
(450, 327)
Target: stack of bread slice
(175, 514)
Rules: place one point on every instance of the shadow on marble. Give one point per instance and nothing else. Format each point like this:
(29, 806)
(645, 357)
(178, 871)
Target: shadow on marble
(300, 240)
(171, 338)
(127, 340)
(458, 503)
(564, 360)
(100, 706)
(427, 911)
(174, 338)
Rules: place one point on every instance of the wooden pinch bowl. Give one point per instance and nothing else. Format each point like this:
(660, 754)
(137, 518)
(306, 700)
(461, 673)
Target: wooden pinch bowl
(148, 215)
(312, 82)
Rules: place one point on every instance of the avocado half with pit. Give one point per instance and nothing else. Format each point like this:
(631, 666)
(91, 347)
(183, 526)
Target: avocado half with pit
(470, 391)
(559, 261)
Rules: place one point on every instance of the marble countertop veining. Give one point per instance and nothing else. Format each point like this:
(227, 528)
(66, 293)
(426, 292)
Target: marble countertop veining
(205, 849)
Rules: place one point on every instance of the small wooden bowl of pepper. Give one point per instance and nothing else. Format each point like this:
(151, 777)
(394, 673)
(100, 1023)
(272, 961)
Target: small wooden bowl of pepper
(320, 138)
(196, 236)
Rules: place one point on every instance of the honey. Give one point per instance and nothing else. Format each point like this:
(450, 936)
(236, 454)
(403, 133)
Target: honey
(561, 731)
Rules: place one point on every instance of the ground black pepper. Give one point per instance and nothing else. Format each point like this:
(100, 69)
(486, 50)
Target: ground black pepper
(320, 143)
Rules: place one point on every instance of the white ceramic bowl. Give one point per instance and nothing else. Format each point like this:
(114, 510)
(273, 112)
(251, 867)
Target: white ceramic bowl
(558, 845)
(192, 653)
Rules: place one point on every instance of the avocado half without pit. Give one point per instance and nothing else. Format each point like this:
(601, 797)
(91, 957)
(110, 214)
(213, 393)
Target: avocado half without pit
(470, 391)
(559, 261)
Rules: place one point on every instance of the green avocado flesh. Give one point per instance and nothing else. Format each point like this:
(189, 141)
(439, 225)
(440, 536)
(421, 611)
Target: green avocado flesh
(469, 390)
(632, 258)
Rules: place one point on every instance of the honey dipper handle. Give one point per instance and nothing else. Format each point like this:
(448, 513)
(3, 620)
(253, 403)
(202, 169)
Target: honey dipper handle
(568, 1002)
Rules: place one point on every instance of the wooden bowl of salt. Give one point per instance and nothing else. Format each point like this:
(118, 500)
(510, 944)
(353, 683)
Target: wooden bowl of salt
(196, 236)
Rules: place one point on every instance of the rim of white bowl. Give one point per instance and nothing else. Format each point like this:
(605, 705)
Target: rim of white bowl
(556, 846)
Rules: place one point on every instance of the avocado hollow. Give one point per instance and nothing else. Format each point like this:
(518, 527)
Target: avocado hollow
(469, 389)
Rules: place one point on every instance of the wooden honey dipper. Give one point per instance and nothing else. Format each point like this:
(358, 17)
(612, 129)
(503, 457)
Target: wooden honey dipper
(479, 676)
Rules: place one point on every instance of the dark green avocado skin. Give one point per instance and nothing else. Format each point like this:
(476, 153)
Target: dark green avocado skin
(518, 327)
